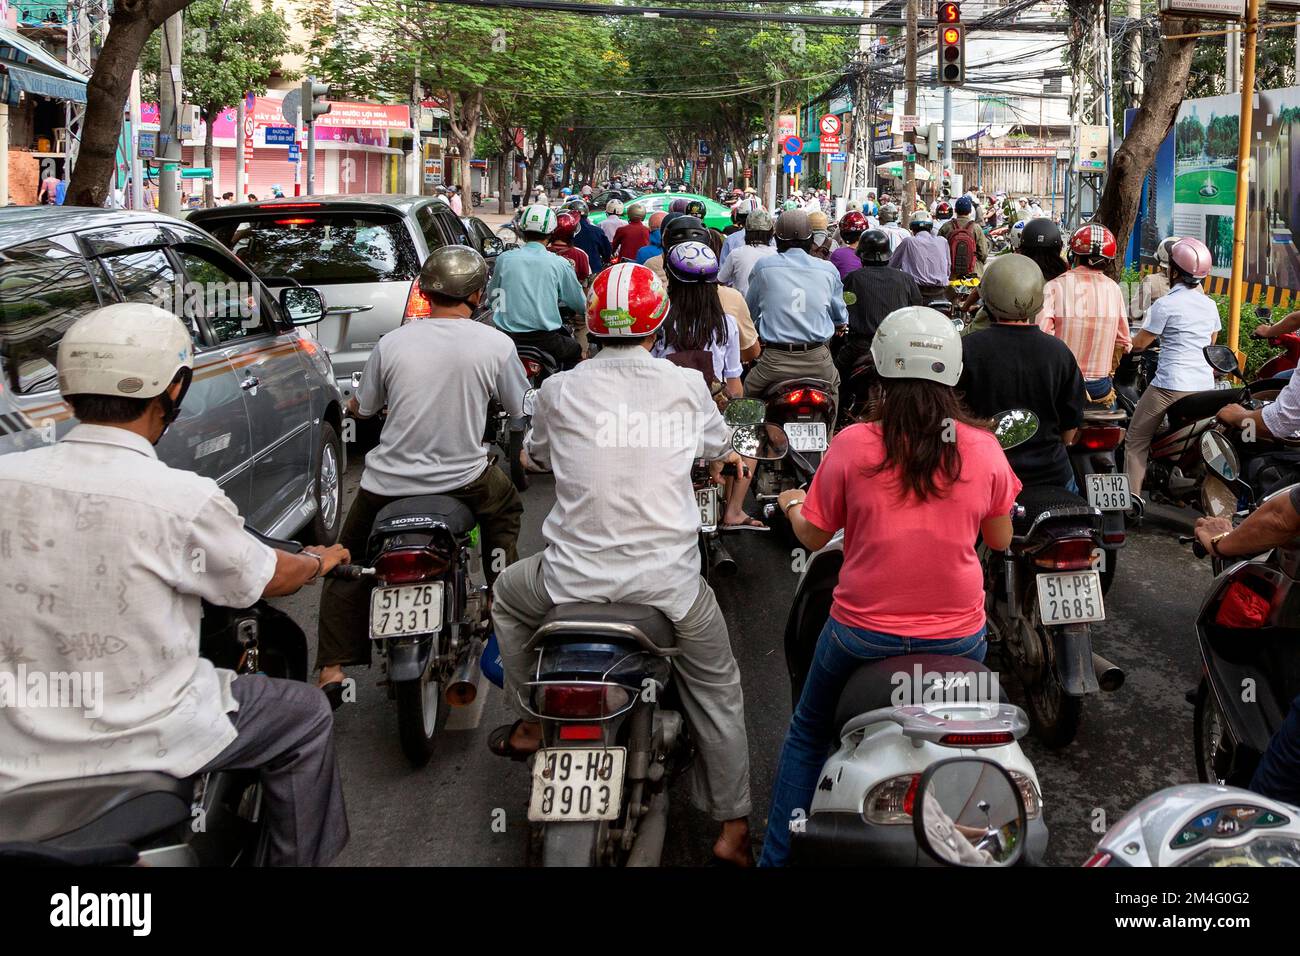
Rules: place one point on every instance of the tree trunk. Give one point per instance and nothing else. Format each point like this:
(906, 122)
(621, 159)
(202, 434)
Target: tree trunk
(129, 27)
(1151, 124)
(209, 193)
(505, 176)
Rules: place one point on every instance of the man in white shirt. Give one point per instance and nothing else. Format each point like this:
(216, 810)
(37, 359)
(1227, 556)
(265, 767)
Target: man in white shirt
(735, 271)
(106, 559)
(624, 528)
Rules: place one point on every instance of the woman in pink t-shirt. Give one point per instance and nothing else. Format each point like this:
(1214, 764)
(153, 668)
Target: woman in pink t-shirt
(912, 489)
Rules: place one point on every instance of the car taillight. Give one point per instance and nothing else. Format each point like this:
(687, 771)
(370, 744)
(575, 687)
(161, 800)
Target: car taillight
(297, 205)
(1100, 858)
(299, 221)
(408, 565)
(1101, 439)
(532, 367)
(891, 801)
(418, 305)
(1066, 554)
(992, 739)
(582, 700)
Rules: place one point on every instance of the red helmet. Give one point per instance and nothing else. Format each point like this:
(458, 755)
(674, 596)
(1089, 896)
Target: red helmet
(853, 224)
(566, 224)
(943, 211)
(1094, 240)
(626, 299)
(1191, 257)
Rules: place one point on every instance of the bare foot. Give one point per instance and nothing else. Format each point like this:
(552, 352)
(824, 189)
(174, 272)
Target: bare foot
(330, 675)
(732, 845)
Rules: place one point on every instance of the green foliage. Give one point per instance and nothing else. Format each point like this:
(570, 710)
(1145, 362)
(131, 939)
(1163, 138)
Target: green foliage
(1257, 351)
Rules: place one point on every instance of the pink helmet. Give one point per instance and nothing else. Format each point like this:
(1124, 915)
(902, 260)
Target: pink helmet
(1190, 257)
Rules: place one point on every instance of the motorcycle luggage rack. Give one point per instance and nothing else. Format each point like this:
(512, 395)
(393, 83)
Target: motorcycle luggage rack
(920, 725)
(1051, 514)
(607, 628)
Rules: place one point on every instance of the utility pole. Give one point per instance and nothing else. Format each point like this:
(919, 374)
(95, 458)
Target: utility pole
(773, 150)
(169, 102)
(137, 166)
(947, 129)
(1236, 291)
(241, 175)
(909, 78)
(1232, 61)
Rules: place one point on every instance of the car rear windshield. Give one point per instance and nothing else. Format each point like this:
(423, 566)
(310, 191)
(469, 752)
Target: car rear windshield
(320, 248)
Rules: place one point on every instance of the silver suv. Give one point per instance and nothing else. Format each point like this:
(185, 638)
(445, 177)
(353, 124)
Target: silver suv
(363, 250)
(263, 417)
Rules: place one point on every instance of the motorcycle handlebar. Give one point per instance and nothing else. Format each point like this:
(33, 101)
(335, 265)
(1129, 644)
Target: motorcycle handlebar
(350, 572)
(1197, 550)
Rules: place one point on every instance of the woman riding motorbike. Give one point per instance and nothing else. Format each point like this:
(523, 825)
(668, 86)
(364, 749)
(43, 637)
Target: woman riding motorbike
(912, 487)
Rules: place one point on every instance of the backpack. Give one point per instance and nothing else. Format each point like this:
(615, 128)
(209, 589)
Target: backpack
(962, 249)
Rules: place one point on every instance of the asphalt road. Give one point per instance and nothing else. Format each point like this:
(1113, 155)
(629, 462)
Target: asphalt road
(468, 807)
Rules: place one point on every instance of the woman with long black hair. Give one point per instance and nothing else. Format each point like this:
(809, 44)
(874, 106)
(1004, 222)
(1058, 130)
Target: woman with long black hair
(912, 488)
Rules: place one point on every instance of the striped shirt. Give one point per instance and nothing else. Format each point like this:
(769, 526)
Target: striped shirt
(1085, 308)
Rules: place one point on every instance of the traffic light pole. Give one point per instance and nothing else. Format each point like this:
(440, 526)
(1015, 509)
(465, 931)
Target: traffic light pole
(909, 78)
(947, 129)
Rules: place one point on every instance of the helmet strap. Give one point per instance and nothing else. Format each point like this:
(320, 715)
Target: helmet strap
(172, 407)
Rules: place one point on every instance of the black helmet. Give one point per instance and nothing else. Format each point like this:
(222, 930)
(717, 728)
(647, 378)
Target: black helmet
(873, 246)
(684, 229)
(696, 208)
(1041, 233)
(456, 272)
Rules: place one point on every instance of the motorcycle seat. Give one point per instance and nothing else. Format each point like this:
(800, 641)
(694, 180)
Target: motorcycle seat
(403, 515)
(648, 620)
(1103, 415)
(542, 357)
(95, 811)
(873, 685)
(1039, 498)
(1198, 405)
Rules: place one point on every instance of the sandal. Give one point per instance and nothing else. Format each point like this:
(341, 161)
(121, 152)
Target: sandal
(749, 524)
(499, 742)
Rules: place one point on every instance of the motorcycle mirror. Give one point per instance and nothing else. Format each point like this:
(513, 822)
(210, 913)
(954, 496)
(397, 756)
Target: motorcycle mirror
(528, 401)
(1221, 358)
(761, 442)
(1263, 312)
(745, 411)
(969, 812)
(1220, 457)
(1014, 427)
(959, 325)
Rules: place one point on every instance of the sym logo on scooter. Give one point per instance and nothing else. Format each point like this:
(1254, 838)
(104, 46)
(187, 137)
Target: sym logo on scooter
(950, 687)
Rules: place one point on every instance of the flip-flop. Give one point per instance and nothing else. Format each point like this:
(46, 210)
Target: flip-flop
(333, 692)
(499, 742)
(749, 524)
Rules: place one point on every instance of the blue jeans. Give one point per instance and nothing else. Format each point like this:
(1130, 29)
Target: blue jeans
(1278, 773)
(840, 651)
(1099, 388)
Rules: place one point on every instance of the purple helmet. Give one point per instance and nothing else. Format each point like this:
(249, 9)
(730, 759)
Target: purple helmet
(692, 262)
(680, 205)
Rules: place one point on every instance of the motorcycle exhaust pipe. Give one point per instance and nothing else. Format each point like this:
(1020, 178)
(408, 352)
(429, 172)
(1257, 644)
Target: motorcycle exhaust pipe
(721, 563)
(651, 830)
(1109, 676)
(462, 689)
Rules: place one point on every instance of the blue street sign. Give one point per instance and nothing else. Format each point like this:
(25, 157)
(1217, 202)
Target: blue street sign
(704, 147)
(793, 164)
(280, 135)
(837, 157)
(294, 153)
(793, 145)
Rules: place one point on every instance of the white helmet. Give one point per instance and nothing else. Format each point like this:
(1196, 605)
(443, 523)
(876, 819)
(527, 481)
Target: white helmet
(538, 218)
(1162, 250)
(130, 350)
(1014, 237)
(917, 342)
(614, 207)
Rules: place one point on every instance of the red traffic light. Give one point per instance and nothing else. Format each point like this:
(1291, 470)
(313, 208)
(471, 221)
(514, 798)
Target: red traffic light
(950, 13)
(951, 35)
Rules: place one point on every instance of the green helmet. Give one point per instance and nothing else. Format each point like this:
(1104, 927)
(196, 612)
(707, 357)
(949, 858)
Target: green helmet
(456, 272)
(1012, 288)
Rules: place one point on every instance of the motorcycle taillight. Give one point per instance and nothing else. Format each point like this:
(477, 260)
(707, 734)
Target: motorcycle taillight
(1242, 607)
(532, 367)
(1100, 858)
(1066, 554)
(409, 565)
(577, 701)
(1101, 439)
(892, 800)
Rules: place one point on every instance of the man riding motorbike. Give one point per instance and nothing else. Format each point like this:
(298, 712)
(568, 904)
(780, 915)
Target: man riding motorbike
(590, 239)
(624, 528)
(528, 286)
(436, 376)
(121, 551)
(925, 257)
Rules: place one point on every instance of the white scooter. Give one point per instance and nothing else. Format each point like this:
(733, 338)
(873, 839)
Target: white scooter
(898, 717)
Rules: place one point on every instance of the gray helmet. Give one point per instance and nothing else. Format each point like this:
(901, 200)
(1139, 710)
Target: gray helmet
(456, 272)
(1012, 288)
(888, 213)
(793, 225)
(760, 220)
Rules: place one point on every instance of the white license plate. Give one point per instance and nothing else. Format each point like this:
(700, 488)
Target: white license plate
(1108, 492)
(707, 499)
(577, 784)
(1070, 598)
(406, 610)
(806, 436)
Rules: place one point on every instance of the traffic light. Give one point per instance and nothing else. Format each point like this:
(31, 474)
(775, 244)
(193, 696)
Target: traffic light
(313, 95)
(952, 45)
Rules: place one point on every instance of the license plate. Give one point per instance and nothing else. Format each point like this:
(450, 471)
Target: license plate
(1108, 492)
(707, 499)
(401, 611)
(577, 784)
(1070, 598)
(806, 436)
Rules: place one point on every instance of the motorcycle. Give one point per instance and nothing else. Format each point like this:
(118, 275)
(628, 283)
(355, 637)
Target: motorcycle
(154, 819)
(1042, 596)
(899, 719)
(613, 736)
(805, 408)
(1288, 342)
(1097, 472)
(508, 433)
(715, 560)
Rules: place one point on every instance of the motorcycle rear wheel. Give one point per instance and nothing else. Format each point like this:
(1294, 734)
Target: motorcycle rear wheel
(1054, 714)
(1213, 752)
(421, 713)
(571, 844)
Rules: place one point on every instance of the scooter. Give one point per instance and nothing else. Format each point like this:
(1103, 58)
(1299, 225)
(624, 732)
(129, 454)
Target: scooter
(508, 433)
(613, 734)
(805, 408)
(1097, 473)
(898, 718)
(1042, 596)
(715, 560)
(1288, 342)
(154, 819)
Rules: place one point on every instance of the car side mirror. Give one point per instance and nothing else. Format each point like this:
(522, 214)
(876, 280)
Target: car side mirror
(492, 246)
(302, 304)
